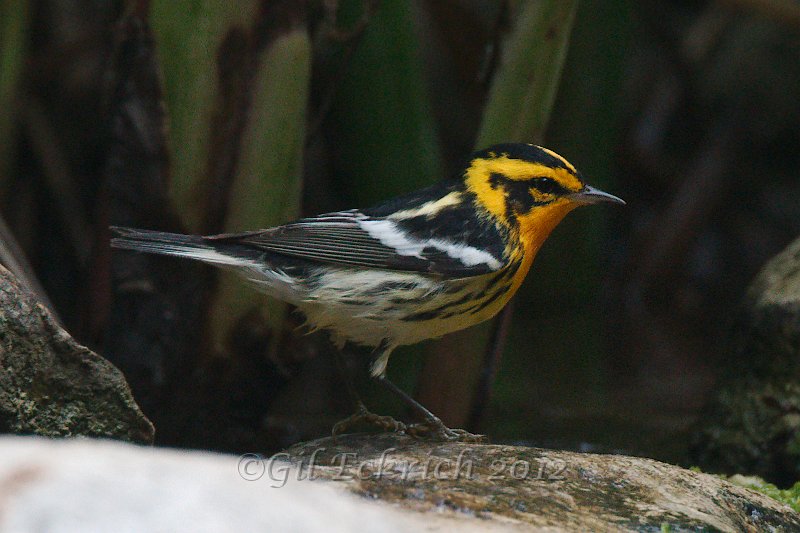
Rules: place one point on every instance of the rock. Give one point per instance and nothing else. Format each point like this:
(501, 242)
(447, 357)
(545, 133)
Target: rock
(51, 385)
(84, 485)
(551, 490)
(752, 424)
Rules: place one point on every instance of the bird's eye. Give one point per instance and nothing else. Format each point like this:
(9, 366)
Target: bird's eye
(546, 185)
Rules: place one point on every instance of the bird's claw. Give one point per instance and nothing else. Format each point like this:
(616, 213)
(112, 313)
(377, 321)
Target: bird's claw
(365, 416)
(436, 430)
(432, 429)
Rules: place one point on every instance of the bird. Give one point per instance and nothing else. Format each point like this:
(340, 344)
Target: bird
(412, 268)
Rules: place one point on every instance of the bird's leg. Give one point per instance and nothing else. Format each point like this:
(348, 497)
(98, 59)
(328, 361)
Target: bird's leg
(362, 414)
(433, 427)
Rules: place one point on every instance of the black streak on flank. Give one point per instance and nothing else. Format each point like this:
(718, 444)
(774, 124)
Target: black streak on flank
(437, 312)
(500, 291)
(511, 271)
(502, 276)
(357, 302)
(426, 315)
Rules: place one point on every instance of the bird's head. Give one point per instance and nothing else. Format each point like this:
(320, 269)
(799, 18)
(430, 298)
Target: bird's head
(528, 188)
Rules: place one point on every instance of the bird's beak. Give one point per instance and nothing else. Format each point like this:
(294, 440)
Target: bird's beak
(590, 195)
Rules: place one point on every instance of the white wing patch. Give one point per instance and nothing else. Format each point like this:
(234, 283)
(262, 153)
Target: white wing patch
(391, 236)
(469, 255)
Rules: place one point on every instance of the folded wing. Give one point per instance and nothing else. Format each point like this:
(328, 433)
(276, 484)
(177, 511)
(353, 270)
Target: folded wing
(354, 239)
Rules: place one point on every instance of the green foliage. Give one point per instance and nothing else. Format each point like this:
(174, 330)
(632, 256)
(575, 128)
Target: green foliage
(14, 15)
(236, 108)
(188, 35)
(266, 190)
(381, 122)
(525, 85)
(790, 496)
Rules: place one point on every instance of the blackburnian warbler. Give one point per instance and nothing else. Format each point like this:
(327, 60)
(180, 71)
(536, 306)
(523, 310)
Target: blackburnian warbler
(413, 268)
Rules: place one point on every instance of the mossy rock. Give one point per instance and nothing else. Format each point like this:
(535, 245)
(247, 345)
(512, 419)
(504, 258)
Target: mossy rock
(52, 386)
(752, 424)
(548, 489)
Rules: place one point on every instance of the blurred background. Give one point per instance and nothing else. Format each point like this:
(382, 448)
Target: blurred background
(205, 116)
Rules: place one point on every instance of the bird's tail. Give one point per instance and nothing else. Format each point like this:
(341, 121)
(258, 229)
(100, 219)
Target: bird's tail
(176, 244)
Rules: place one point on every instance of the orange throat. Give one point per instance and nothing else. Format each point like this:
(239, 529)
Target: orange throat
(534, 228)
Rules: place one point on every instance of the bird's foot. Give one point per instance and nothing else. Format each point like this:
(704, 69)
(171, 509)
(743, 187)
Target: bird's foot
(365, 416)
(434, 429)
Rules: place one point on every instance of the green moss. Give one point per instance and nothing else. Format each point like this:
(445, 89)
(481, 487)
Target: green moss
(790, 496)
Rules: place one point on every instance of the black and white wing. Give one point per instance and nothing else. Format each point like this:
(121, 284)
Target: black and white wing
(353, 238)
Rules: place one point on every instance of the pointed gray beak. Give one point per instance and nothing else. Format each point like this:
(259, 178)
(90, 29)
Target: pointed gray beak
(590, 195)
